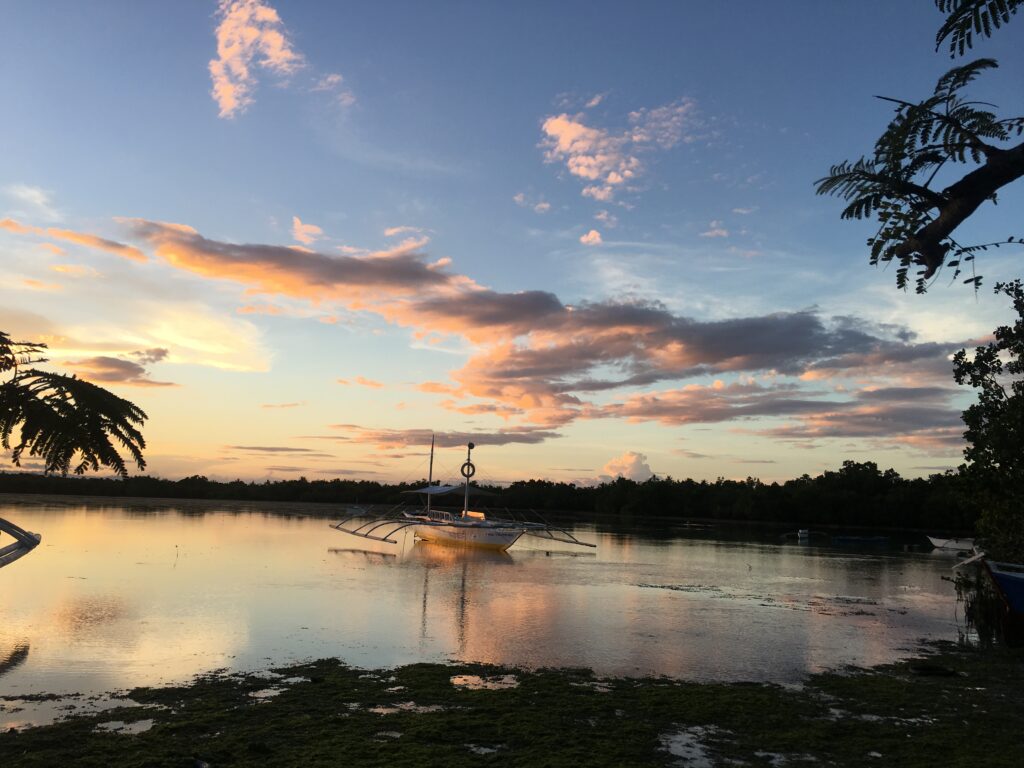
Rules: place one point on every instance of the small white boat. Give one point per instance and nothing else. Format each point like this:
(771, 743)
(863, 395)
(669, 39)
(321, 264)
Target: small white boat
(24, 542)
(471, 528)
(958, 545)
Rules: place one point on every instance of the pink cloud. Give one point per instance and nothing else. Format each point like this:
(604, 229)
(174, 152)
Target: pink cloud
(607, 160)
(250, 35)
(306, 234)
(593, 237)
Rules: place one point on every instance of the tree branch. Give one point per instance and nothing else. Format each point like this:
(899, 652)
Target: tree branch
(962, 199)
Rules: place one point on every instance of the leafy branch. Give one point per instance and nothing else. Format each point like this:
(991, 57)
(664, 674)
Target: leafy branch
(895, 184)
(63, 419)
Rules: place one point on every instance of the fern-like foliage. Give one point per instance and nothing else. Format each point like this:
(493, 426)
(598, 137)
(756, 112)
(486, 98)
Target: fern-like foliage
(967, 18)
(895, 184)
(68, 422)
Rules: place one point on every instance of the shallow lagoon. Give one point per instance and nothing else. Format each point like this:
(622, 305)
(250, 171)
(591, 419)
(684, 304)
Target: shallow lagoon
(127, 593)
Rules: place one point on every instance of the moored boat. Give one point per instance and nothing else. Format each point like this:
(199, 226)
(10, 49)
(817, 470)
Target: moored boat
(471, 528)
(955, 544)
(1009, 581)
(24, 542)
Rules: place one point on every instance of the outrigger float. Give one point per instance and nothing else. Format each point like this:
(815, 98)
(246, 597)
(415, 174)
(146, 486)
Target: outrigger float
(24, 542)
(469, 529)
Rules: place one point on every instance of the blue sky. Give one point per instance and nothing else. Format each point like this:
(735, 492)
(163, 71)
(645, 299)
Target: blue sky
(465, 173)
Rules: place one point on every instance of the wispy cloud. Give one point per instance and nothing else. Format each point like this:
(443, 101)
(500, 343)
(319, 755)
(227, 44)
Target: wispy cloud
(537, 205)
(715, 229)
(307, 234)
(361, 381)
(33, 202)
(78, 238)
(283, 405)
(115, 370)
(391, 439)
(250, 36)
(334, 84)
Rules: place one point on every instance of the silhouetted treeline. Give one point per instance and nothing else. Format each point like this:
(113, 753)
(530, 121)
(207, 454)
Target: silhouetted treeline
(858, 494)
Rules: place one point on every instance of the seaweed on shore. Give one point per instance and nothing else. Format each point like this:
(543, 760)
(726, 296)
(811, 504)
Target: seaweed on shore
(327, 713)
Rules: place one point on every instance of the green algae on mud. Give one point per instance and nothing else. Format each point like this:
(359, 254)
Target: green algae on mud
(956, 706)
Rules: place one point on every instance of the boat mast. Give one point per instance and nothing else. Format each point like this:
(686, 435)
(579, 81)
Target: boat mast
(430, 472)
(468, 470)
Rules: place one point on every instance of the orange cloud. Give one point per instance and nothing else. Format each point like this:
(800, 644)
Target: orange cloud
(362, 381)
(79, 238)
(593, 237)
(99, 243)
(542, 362)
(38, 285)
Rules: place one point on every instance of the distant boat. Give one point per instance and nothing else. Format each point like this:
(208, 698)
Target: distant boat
(958, 545)
(468, 529)
(24, 542)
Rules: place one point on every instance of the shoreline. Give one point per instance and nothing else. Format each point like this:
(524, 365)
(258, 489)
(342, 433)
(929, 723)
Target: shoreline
(329, 510)
(956, 702)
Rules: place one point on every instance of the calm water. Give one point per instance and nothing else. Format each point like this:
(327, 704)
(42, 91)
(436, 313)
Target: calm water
(120, 595)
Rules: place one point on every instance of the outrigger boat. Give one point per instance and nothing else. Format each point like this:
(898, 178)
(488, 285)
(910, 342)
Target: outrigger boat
(24, 542)
(471, 528)
(957, 545)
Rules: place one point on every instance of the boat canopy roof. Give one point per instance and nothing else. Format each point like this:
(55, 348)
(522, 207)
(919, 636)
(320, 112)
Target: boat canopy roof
(441, 490)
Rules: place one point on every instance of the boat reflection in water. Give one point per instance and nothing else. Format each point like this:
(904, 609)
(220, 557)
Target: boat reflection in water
(459, 569)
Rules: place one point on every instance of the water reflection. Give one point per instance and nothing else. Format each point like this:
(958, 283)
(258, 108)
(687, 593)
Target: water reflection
(118, 596)
(14, 657)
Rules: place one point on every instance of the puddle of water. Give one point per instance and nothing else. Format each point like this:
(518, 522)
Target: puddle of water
(478, 683)
(601, 686)
(29, 712)
(127, 729)
(688, 746)
(265, 694)
(478, 749)
(406, 706)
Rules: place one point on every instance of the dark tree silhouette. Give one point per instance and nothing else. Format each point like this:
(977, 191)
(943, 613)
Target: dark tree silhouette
(899, 184)
(995, 431)
(67, 422)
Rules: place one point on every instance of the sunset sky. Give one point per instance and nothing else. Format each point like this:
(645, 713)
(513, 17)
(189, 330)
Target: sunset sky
(303, 235)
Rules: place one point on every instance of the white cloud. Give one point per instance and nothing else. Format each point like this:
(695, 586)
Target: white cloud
(608, 219)
(250, 35)
(631, 465)
(593, 237)
(36, 202)
(744, 211)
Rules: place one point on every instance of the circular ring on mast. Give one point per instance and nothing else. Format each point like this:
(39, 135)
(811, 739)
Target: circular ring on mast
(468, 470)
